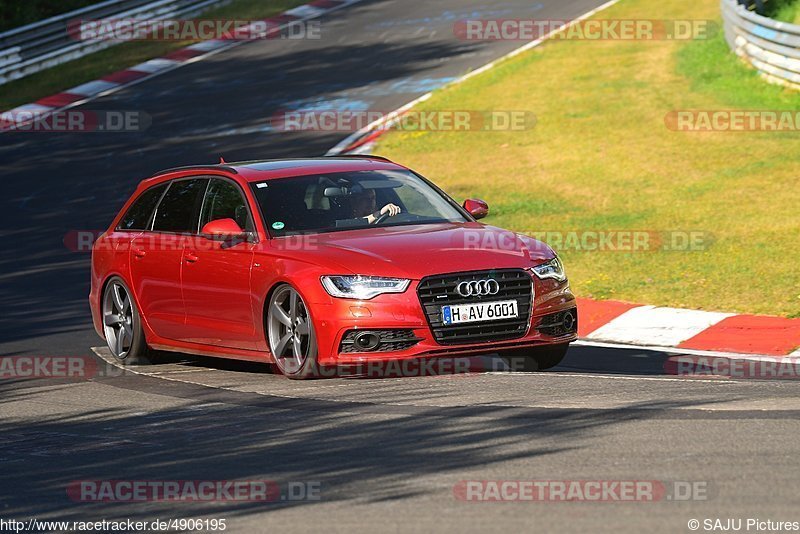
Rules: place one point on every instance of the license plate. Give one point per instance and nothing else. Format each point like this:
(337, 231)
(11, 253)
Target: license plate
(479, 311)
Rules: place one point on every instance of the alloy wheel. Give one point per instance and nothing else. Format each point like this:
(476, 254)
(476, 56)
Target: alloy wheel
(118, 319)
(290, 333)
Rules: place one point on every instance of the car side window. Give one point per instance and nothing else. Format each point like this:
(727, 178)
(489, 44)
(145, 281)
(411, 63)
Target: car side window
(177, 211)
(138, 215)
(223, 200)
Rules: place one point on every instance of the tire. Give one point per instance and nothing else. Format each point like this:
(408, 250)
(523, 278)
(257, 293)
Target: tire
(535, 358)
(122, 325)
(290, 334)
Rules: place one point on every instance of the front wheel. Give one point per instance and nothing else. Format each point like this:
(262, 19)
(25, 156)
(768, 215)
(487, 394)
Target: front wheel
(535, 358)
(122, 325)
(290, 333)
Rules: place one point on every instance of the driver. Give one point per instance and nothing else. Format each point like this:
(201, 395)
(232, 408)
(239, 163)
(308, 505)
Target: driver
(363, 206)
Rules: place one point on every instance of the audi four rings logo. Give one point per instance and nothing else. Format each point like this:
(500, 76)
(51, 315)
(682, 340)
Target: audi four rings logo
(477, 288)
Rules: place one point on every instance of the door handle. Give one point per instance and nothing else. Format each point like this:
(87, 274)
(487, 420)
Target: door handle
(191, 257)
(139, 253)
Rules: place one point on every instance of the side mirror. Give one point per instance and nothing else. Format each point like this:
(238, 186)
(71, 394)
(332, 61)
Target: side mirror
(222, 229)
(476, 207)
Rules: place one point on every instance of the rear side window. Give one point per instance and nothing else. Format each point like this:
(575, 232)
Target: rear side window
(177, 211)
(138, 215)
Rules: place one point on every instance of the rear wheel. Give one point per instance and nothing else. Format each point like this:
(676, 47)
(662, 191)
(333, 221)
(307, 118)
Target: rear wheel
(122, 325)
(290, 333)
(535, 358)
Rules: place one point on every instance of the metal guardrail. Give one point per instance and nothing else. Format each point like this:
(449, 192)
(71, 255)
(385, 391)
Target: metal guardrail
(772, 47)
(44, 44)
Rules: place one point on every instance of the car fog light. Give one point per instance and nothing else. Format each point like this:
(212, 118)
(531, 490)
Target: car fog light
(367, 341)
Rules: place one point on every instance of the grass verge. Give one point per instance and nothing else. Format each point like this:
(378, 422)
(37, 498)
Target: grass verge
(784, 10)
(124, 55)
(601, 159)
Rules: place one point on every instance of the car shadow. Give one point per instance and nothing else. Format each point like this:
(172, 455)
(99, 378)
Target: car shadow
(354, 451)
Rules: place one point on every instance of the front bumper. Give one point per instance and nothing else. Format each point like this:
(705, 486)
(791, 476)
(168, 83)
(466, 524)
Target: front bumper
(335, 318)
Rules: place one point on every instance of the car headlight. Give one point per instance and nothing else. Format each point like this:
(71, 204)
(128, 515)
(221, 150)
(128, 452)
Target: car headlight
(550, 269)
(362, 287)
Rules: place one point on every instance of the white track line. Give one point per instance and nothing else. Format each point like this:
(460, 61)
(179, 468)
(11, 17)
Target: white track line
(585, 374)
(681, 351)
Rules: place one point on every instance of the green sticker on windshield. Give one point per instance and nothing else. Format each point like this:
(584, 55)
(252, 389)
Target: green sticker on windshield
(278, 225)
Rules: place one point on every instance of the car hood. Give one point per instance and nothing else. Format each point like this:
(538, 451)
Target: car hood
(417, 251)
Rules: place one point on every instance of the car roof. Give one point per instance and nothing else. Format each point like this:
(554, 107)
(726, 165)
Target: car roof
(260, 170)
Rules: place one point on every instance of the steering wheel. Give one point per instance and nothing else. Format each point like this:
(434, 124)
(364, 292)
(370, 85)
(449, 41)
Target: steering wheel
(382, 218)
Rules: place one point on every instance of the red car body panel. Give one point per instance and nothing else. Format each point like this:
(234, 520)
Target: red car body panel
(197, 297)
(155, 277)
(220, 276)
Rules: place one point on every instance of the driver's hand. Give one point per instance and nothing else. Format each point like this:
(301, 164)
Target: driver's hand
(391, 209)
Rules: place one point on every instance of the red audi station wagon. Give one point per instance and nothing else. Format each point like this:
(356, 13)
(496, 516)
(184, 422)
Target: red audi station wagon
(325, 262)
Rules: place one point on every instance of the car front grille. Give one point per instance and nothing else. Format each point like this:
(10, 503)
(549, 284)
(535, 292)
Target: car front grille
(440, 290)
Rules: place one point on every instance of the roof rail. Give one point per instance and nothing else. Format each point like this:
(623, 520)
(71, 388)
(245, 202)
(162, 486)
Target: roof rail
(363, 156)
(225, 168)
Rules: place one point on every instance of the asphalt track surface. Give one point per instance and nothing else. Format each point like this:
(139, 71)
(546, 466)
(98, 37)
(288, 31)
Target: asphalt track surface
(387, 452)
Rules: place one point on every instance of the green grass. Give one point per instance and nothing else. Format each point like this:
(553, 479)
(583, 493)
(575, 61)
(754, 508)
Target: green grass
(713, 70)
(124, 55)
(784, 10)
(600, 158)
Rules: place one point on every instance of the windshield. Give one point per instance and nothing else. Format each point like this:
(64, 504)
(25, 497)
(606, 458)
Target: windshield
(350, 200)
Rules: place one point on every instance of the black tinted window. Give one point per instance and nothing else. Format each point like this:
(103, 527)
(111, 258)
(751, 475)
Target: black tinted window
(177, 211)
(224, 201)
(138, 215)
